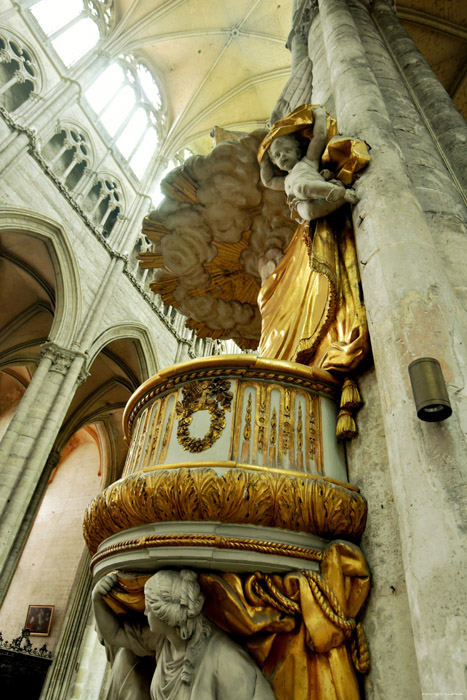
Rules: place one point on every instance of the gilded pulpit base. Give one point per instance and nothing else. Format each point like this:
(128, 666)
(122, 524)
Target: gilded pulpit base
(300, 628)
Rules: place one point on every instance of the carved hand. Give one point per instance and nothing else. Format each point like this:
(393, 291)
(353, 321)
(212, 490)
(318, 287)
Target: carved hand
(319, 113)
(105, 585)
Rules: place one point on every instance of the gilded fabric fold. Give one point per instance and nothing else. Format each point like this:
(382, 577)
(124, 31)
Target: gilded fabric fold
(304, 653)
(311, 306)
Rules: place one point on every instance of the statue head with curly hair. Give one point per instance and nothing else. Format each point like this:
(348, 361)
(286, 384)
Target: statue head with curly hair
(174, 598)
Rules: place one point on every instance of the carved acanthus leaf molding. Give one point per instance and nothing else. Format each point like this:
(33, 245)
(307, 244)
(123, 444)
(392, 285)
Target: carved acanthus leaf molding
(269, 499)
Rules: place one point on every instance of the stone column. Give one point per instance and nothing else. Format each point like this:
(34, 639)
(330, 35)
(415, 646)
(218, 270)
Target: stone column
(61, 674)
(439, 196)
(24, 529)
(16, 143)
(412, 313)
(30, 437)
(446, 124)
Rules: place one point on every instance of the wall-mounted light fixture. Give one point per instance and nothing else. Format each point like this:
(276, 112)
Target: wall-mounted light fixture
(429, 390)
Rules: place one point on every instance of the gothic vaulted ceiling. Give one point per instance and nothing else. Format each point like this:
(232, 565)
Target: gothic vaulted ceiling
(224, 62)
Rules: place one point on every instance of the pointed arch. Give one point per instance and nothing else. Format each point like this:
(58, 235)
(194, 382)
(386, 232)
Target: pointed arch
(67, 283)
(147, 355)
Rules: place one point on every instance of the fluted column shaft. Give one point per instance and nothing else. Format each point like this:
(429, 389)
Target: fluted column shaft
(412, 312)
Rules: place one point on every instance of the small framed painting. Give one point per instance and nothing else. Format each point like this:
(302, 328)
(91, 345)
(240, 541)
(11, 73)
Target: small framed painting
(39, 620)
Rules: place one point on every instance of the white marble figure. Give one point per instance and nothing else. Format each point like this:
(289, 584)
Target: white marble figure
(311, 194)
(195, 660)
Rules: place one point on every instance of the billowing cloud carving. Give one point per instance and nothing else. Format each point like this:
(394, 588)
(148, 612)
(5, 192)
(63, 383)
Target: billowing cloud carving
(215, 236)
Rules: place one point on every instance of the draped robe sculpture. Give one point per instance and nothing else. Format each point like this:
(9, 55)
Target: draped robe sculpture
(194, 659)
(240, 234)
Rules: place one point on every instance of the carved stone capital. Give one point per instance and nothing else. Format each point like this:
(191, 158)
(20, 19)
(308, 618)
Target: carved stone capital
(61, 358)
(103, 56)
(303, 16)
(19, 76)
(53, 460)
(83, 375)
(5, 57)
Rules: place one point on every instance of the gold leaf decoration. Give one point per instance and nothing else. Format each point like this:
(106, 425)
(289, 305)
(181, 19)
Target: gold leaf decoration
(213, 396)
(270, 499)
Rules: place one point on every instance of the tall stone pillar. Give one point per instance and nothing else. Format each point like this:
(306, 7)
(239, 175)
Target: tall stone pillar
(30, 436)
(61, 674)
(24, 528)
(447, 125)
(426, 156)
(412, 313)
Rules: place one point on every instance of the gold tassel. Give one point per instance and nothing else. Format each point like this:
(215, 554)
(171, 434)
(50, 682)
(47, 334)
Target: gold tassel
(346, 428)
(350, 397)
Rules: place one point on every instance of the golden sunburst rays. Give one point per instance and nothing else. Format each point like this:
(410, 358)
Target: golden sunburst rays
(154, 230)
(227, 278)
(180, 186)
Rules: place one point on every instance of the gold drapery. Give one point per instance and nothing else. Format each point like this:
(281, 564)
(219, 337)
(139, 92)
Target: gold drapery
(301, 647)
(310, 306)
(300, 626)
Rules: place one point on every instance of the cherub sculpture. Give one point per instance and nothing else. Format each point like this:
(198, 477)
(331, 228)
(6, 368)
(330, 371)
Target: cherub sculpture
(311, 193)
(195, 660)
(242, 262)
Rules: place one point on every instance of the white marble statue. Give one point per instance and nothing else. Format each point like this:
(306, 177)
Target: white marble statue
(311, 194)
(195, 660)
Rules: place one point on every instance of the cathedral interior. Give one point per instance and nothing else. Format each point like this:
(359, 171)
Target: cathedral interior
(99, 101)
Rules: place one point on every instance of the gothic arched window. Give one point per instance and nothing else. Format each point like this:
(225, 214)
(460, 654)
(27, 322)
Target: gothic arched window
(68, 154)
(103, 203)
(18, 74)
(128, 102)
(74, 27)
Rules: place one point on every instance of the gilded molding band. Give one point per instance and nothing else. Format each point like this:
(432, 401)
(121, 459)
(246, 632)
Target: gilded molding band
(269, 499)
(246, 544)
(240, 366)
(249, 467)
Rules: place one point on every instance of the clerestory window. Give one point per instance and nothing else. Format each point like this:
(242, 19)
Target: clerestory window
(73, 26)
(128, 103)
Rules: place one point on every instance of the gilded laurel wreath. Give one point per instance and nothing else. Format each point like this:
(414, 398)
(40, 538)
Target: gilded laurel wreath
(211, 395)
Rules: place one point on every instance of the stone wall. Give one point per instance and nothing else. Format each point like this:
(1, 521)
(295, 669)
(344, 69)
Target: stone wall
(95, 331)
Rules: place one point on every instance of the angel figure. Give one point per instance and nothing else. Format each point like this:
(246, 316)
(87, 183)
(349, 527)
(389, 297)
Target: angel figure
(311, 193)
